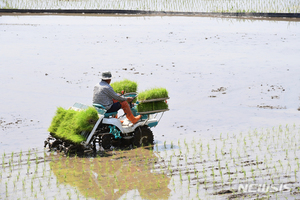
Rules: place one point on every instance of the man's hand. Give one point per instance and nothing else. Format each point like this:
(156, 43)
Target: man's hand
(129, 99)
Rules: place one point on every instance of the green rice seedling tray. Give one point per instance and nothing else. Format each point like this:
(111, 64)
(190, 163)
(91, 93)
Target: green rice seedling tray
(155, 93)
(68, 125)
(152, 107)
(124, 86)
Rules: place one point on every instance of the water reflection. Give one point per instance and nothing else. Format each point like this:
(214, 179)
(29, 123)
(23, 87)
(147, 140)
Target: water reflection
(113, 176)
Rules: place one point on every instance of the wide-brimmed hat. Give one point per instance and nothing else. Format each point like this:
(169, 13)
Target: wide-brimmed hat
(106, 75)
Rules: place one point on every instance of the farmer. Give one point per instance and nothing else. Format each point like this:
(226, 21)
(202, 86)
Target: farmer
(105, 95)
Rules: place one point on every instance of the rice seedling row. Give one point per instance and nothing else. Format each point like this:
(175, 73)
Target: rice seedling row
(28, 175)
(274, 6)
(267, 158)
(203, 168)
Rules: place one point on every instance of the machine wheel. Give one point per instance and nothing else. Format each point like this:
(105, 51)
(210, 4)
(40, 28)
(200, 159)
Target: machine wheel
(67, 149)
(143, 136)
(106, 141)
(56, 144)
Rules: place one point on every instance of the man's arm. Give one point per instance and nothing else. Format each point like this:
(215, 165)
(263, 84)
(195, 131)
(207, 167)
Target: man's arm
(111, 93)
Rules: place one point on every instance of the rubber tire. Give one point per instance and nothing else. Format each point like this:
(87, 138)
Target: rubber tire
(106, 141)
(143, 136)
(55, 144)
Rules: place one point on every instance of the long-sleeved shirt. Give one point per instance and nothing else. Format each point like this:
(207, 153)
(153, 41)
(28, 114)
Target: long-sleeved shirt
(104, 95)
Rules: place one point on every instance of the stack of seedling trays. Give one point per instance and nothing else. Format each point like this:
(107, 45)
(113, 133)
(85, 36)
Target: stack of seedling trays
(153, 101)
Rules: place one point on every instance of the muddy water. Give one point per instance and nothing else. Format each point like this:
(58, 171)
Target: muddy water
(223, 75)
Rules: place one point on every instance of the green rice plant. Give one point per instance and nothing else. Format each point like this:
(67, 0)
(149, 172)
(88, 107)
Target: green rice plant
(195, 148)
(216, 153)
(124, 86)
(23, 184)
(221, 174)
(36, 169)
(252, 172)
(20, 157)
(9, 164)
(68, 124)
(6, 190)
(152, 106)
(180, 175)
(155, 93)
(12, 156)
(31, 186)
(3, 160)
(244, 171)
(28, 167)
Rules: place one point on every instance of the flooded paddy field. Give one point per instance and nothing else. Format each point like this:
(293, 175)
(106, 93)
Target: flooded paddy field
(234, 105)
(273, 6)
(260, 164)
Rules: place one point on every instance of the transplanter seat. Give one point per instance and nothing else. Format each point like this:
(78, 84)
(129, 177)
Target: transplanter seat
(101, 110)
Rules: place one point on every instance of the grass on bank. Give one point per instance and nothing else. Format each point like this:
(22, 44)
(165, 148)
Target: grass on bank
(68, 124)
